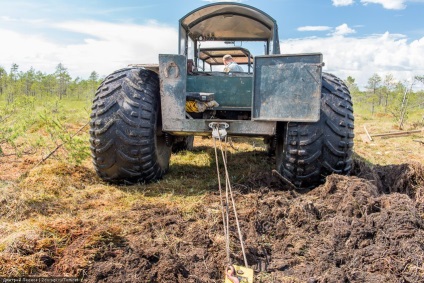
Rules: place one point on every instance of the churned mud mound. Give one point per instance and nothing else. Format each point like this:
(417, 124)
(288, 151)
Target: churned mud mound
(364, 228)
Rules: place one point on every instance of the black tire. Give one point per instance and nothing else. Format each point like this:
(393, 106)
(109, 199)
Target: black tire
(183, 143)
(127, 143)
(308, 152)
(271, 144)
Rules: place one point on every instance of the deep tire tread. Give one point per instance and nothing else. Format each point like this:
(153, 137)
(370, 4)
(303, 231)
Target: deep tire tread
(112, 79)
(100, 150)
(106, 92)
(334, 151)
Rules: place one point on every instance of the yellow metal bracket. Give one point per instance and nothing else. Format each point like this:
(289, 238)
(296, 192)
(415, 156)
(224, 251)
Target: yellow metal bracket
(243, 275)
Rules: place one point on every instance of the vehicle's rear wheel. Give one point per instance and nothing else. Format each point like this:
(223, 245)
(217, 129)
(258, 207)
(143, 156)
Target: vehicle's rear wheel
(308, 152)
(127, 143)
(183, 143)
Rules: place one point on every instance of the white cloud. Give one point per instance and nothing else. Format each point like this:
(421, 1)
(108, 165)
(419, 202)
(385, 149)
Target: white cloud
(362, 57)
(343, 30)
(388, 4)
(107, 47)
(26, 50)
(313, 28)
(338, 3)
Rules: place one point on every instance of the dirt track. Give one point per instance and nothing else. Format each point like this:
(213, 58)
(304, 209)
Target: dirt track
(364, 228)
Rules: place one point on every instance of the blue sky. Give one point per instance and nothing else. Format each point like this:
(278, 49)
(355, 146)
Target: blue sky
(357, 37)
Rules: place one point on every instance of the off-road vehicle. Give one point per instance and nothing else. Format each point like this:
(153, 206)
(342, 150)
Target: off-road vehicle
(304, 115)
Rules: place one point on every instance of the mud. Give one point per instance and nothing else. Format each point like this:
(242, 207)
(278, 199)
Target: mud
(363, 228)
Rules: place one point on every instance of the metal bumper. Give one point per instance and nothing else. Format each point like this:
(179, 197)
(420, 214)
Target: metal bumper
(201, 127)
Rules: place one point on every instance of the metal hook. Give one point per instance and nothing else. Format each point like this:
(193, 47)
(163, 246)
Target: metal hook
(219, 130)
(231, 274)
(170, 65)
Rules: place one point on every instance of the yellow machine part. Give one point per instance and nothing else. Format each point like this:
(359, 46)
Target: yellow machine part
(244, 274)
(191, 106)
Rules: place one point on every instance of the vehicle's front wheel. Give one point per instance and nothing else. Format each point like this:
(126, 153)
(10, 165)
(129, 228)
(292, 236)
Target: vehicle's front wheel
(308, 152)
(127, 143)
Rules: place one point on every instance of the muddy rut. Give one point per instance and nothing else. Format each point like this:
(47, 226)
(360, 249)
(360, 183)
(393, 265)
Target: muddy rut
(363, 228)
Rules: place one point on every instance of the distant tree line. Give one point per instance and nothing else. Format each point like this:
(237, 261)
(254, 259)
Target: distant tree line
(381, 95)
(41, 85)
(390, 96)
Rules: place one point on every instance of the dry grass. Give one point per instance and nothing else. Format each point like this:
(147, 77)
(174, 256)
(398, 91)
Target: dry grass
(388, 150)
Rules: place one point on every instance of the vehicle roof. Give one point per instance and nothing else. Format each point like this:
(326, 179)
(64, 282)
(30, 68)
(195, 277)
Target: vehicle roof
(229, 21)
(213, 56)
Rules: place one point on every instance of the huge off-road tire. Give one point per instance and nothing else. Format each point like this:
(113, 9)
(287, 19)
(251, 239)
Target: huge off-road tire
(308, 152)
(127, 143)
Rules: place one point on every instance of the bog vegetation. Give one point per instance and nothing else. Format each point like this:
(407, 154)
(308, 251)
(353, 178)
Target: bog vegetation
(56, 104)
(42, 111)
(388, 96)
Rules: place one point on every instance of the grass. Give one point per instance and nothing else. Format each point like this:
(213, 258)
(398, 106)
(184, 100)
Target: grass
(388, 150)
(61, 211)
(41, 126)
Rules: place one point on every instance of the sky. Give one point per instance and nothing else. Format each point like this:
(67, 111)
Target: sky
(357, 38)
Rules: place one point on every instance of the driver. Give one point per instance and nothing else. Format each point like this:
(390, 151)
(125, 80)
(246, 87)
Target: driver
(230, 65)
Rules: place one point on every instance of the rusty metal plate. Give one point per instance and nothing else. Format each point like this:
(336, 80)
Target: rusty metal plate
(173, 77)
(287, 88)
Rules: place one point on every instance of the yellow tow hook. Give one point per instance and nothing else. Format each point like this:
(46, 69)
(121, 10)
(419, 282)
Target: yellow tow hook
(238, 274)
